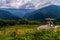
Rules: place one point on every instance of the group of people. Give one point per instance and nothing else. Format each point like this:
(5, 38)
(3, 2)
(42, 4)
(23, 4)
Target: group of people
(51, 24)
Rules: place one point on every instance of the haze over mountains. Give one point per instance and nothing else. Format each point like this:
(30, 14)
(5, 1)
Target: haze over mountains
(51, 11)
(25, 8)
(7, 15)
(18, 12)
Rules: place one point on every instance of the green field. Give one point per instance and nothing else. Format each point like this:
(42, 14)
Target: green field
(28, 32)
(9, 32)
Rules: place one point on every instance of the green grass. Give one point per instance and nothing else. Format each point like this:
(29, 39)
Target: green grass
(20, 29)
(28, 32)
(7, 33)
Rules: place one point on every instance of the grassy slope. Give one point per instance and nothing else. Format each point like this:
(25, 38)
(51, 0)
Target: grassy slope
(8, 33)
(20, 29)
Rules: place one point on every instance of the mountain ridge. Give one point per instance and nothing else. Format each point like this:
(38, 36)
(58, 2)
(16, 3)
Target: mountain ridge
(7, 15)
(18, 12)
(51, 11)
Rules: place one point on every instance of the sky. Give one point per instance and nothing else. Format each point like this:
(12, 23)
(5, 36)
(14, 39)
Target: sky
(19, 3)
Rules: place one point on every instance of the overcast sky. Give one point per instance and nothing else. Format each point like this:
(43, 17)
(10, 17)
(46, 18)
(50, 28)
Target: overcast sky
(18, 3)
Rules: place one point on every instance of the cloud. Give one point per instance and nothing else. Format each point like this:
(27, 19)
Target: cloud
(13, 3)
(18, 3)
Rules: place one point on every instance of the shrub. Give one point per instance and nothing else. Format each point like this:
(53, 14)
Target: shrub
(44, 34)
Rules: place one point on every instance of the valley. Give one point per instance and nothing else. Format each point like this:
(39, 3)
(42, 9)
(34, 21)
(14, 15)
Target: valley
(30, 24)
(29, 19)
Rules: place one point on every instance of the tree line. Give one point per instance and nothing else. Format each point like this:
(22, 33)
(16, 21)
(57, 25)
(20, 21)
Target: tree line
(22, 21)
(19, 22)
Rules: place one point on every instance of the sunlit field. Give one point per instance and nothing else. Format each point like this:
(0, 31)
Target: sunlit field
(20, 29)
(27, 30)
(9, 31)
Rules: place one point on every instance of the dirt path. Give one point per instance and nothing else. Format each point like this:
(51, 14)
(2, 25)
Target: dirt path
(44, 26)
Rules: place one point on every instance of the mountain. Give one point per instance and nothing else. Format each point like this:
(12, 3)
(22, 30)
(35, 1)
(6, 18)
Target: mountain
(17, 12)
(51, 11)
(7, 15)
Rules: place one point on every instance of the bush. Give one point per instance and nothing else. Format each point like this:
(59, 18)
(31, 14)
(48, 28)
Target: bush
(7, 23)
(57, 23)
(44, 34)
(11, 22)
(31, 22)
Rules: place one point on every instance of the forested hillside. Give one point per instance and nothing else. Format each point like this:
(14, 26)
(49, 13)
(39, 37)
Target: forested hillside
(51, 11)
(7, 15)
